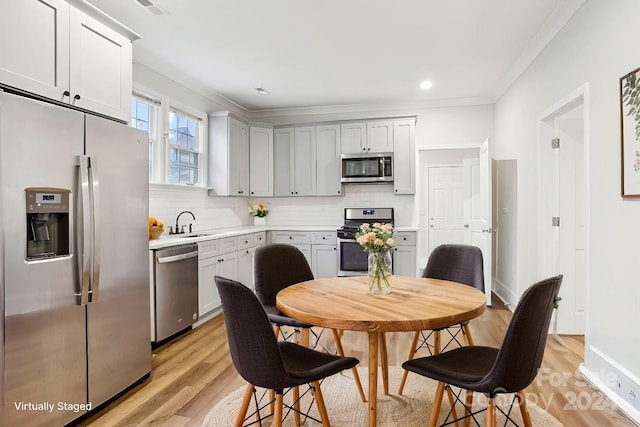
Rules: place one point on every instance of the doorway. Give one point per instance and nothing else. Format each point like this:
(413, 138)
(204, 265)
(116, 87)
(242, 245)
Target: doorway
(455, 203)
(563, 195)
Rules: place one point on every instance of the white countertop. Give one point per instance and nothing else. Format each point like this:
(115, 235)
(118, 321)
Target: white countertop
(167, 240)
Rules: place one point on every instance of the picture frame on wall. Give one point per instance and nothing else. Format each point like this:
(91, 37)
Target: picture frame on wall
(630, 133)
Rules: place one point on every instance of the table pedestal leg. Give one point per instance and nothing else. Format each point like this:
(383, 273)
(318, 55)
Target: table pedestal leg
(373, 377)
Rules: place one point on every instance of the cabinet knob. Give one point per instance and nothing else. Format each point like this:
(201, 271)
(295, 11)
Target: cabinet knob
(66, 93)
(77, 97)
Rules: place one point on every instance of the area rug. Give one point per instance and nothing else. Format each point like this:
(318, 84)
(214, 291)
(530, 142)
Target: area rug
(345, 408)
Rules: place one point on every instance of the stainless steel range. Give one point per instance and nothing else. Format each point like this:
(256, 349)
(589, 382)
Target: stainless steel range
(352, 259)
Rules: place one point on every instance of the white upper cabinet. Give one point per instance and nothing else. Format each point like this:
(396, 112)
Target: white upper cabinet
(228, 156)
(367, 137)
(353, 138)
(50, 48)
(304, 161)
(100, 67)
(34, 46)
(404, 168)
(283, 162)
(328, 160)
(260, 161)
(380, 136)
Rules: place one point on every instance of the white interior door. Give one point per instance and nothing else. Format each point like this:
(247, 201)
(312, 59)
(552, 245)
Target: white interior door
(478, 210)
(446, 205)
(564, 219)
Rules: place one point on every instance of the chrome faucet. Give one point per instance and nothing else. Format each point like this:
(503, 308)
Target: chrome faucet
(177, 230)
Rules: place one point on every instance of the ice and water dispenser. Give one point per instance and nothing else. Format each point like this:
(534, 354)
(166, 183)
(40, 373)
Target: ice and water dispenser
(47, 216)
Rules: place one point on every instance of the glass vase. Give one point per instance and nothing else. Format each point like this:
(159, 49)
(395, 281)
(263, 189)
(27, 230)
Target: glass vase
(379, 267)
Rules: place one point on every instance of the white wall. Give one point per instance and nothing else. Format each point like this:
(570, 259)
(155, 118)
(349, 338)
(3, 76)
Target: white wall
(598, 46)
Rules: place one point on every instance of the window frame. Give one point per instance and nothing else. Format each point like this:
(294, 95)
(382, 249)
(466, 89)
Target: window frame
(202, 123)
(161, 147)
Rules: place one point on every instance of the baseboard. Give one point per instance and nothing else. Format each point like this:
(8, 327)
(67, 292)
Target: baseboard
(615, 381)
(504, 293)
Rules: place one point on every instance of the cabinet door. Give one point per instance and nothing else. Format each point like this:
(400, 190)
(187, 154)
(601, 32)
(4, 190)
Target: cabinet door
(404, 261)
(208, 298)
(353, 138)
(238, 158)
(305, 161)
(404, 168)
(380, 136)
(245, 267)
(324, 261)
(261, 161)
(34, 46)
(100, 67)
(328, 160)
(227, 265)
(282, 162)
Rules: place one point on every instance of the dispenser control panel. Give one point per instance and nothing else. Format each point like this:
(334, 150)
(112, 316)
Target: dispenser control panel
(52, 201)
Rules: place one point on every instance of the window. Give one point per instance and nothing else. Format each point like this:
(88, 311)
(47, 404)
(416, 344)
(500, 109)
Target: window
(144, 116)
(184, 148)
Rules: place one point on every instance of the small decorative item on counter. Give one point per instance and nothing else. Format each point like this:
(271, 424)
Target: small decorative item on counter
(377, 239)
(259, 213)
(156, 228)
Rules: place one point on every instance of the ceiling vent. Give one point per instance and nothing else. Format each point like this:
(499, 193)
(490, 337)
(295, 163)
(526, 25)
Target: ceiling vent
(150, 7)
(262, 91)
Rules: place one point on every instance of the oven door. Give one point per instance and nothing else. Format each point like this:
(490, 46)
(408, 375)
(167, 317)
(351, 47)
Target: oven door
(352, 259)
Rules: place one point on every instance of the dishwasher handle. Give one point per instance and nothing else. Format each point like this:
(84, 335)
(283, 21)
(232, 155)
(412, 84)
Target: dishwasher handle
(174, 258)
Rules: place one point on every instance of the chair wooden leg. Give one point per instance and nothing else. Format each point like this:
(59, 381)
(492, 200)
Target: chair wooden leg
(242, 412)
(437, 403)
(466, 333)
(452, 402)
(277, 416)
(304, 337)
(468, 403)
(354, 370)
(412, 350)
(526, 418)
(295, 395)
(437, 342)
(384, 362)
(322, 409)
(491, 412)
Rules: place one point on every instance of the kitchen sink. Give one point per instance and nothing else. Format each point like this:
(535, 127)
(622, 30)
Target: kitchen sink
(189, 235)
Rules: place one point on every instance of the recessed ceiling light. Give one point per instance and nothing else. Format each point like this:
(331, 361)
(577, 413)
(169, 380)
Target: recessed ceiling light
(426, 85)
(262, 91)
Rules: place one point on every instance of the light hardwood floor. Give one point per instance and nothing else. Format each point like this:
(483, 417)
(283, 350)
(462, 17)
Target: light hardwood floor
(192, 373)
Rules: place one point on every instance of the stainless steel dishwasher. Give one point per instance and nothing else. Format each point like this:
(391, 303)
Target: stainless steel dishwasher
(175, 302)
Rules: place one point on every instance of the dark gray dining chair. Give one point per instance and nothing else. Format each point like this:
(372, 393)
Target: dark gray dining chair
(457, 263)
(276, 267)
(265, 362)
(493, 371)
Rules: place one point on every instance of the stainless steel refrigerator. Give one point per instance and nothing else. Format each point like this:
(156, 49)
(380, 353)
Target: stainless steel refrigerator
(74, 266)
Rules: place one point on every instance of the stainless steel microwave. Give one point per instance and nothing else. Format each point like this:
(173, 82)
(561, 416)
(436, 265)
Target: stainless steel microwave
(367, 167)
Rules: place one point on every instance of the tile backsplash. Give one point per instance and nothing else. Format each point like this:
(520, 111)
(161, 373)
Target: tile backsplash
(165, 203)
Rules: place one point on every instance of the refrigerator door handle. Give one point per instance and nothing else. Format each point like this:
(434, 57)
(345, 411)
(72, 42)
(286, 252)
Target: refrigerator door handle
(95, 202)
(84, 231)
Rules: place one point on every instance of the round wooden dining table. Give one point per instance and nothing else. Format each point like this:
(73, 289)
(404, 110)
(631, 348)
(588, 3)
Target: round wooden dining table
(345, 303)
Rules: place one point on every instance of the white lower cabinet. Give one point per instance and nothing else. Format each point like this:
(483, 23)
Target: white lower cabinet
(404, 254)
(325, 261)
(324, 254)
(299, 239)
(247, 246)
(215, 258)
